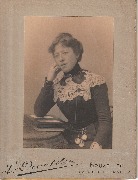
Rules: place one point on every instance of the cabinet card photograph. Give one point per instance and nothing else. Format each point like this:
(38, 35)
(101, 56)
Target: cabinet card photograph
(68, 89)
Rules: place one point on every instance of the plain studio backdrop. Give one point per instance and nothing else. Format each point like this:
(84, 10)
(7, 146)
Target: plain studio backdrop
(96, 35)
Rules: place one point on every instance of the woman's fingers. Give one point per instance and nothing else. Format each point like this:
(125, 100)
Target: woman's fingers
(56, 67)
(54, 70)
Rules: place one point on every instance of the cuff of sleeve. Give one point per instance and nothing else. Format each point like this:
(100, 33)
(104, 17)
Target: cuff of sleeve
(50, 83)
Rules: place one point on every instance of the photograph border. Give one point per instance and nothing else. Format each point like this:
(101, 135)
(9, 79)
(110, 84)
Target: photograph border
(114, 162)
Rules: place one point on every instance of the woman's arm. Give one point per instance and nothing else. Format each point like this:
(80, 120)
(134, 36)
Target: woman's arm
(104, 130)
(44, 101)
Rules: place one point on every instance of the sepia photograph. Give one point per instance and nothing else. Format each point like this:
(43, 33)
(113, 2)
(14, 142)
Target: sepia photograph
(68, 89)
(68, 82)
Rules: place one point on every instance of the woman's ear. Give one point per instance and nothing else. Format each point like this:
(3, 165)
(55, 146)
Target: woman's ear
(77, 56)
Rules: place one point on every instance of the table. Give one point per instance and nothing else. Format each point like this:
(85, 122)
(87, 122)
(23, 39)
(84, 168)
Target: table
(33, 138)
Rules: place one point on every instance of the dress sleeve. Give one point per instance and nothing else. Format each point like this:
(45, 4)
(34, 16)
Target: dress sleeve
(104, 128)
(44, 101)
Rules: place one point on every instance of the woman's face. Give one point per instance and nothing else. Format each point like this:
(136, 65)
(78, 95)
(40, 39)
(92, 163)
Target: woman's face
(65, 57)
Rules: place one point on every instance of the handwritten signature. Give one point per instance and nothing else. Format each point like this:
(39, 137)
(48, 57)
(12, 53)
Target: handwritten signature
(28, 167)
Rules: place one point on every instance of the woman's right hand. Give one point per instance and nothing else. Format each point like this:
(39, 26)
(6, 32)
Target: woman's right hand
(54, 70)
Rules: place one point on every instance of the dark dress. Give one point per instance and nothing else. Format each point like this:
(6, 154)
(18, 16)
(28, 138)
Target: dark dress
(83, 98)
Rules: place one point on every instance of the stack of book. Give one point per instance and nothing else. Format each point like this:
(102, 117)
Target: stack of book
(48, 123)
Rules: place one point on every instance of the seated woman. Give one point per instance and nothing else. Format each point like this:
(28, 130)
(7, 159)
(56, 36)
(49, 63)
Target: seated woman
(82, 96)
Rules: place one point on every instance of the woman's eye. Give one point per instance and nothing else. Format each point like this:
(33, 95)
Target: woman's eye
(65, 52)
(56, 56)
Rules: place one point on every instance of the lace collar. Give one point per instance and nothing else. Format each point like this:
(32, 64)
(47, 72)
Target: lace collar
(71, 90)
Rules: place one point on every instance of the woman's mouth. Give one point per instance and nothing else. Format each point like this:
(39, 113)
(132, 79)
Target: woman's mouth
(62, 65)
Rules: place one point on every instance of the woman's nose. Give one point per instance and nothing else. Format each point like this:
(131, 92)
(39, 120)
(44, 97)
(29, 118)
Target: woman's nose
(61, 58)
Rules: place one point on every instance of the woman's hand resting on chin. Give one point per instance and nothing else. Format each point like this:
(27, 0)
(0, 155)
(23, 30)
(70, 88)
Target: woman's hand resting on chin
(53, 71)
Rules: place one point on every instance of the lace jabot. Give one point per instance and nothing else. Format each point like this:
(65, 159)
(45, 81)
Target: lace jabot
(72, 89)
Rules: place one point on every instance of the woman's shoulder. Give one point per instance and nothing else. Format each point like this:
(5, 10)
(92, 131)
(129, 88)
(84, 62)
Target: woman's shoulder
(93, 79)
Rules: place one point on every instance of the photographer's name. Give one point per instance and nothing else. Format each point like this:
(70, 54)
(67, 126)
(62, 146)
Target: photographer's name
(28, 167)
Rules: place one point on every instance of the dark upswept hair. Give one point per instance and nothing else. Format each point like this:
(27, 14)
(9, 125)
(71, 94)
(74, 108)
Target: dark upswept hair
(67, 40)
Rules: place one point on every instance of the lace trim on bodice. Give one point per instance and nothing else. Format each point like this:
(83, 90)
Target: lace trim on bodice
(71, 90)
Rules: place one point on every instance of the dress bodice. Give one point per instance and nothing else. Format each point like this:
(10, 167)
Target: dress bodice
(73, 93)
